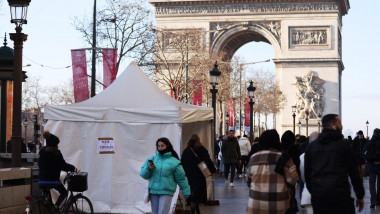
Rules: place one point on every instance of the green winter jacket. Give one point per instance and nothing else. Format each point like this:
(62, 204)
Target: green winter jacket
(165, 177)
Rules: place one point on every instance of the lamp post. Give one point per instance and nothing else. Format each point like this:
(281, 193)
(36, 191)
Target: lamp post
(19, 10)
(227, 122)
(294, 108)
(367, 123)
(307, 123)
(319, 122)
(299, 127)
(214, 80)
(251, 90)
(25, 127)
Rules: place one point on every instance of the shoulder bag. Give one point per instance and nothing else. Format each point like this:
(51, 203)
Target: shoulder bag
(202, 166)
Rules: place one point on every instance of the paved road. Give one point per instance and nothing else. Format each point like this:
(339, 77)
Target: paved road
(234, 199)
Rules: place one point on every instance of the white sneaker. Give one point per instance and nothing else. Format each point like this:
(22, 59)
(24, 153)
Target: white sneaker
(240, 176)
(231, 184)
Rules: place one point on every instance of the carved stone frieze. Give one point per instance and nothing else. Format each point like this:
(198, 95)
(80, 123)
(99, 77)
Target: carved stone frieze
(216, 29)
(246, 8)
(307, 37)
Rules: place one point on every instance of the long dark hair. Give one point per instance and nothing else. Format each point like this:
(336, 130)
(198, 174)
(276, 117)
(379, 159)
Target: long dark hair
(169, 146)
(194, 141)
(269, 139)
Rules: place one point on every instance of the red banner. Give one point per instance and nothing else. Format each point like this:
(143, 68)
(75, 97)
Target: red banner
(247, 113)
(109, 66)
(231, 113)
(198, 93)
(80, 80)
(177, 90)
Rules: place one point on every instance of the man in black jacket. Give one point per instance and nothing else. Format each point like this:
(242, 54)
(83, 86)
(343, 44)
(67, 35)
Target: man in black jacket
(328, 163)
(231, 156)
(358, 147)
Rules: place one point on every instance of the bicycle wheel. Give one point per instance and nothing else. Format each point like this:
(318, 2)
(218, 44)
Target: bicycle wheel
(38, 206)
(79, 204)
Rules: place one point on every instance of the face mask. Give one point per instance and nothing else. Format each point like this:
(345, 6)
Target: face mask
(163, 151)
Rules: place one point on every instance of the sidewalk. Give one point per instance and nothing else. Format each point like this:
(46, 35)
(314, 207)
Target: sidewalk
(234, 199)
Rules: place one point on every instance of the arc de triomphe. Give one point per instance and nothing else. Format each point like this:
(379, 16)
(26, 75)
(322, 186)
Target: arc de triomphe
(305, 35)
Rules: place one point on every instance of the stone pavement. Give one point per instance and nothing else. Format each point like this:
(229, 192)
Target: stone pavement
(234, 199)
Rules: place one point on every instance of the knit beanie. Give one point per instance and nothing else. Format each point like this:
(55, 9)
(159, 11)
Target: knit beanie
(51, 140)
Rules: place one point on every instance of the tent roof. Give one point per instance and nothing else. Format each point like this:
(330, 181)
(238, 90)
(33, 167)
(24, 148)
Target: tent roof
(132, 97)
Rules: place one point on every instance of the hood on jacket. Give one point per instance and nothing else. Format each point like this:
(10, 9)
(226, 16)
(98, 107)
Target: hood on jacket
(328, 135)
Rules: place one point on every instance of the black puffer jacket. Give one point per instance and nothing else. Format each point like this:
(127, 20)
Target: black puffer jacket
(231, 150)
(51, 163)
(328, 163)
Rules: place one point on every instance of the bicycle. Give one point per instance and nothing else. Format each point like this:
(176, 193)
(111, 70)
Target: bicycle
(77, 203)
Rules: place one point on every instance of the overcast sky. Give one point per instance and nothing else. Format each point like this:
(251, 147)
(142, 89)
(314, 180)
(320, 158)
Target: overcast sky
(51, 36)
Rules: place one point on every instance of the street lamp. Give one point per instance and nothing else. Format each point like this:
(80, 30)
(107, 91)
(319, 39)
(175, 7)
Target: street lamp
(251, 90)
(19, 9)
(307, 123)
(299, 127)
(319, 122)
(294, 109)
(214, 80)
(367, 123)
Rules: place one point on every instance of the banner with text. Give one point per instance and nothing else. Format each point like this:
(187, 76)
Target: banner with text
(109, 66)
(80, 79)
(198, 93)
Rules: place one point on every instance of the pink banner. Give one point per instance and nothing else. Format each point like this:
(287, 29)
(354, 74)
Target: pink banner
(231, 107)
(80, 80)
(198, 93)
(247, 113)
(109, 66)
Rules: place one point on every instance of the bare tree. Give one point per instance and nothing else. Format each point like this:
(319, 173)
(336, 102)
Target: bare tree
(123, 25)
(180, 58)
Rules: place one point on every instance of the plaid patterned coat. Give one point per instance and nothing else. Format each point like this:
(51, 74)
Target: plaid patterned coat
(268, 191)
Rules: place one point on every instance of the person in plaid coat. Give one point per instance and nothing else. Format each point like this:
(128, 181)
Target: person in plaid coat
(268, 190)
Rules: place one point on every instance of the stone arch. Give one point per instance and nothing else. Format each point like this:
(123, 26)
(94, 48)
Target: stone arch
(235, 37)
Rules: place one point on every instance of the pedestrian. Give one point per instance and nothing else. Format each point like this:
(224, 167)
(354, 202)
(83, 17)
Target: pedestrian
(305, 195)
(220, 156)
(373, 165)
(290, 151)
(164, 171)
(254, 148)
(268, 190)
(358, 147)
(245, 148)
(51, 163)
(329, 162)
(231, 156)
(193, 154)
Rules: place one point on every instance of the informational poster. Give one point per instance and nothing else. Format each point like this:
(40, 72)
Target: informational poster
(106, 145)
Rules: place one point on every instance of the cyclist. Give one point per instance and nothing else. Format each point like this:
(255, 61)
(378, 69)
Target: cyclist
(51, 163)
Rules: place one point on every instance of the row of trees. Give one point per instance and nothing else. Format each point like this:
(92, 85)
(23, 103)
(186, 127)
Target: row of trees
(172, 58)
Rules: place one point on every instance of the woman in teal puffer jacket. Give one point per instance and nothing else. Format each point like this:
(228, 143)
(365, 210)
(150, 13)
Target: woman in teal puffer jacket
(165, 172)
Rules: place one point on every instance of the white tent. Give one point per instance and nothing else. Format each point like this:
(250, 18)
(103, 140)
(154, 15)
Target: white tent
(135, 113)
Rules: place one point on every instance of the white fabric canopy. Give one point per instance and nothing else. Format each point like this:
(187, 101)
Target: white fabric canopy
(135, 113)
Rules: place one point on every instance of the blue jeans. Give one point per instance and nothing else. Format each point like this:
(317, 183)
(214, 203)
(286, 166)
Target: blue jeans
(160, 203)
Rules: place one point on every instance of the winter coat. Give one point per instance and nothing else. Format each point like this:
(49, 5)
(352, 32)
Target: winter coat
(373, 153)
(231, 151)
(165, 177)
(197, 180)
(269, 192)
(51, 163)
(358, 147)
(328, 163)
(245, 146)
